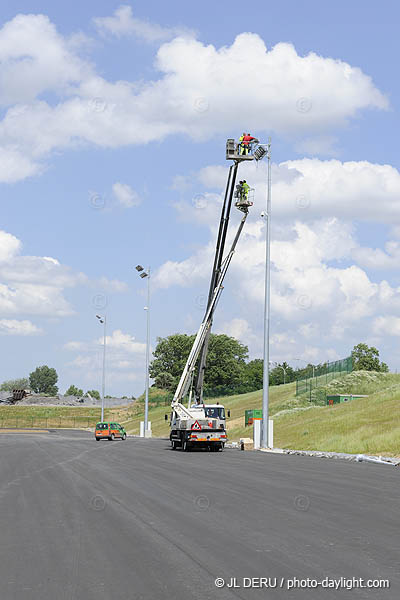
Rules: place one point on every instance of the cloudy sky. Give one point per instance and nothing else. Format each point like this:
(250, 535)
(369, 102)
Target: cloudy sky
(113, 125)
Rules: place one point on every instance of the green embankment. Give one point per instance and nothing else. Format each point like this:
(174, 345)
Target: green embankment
(368, 425)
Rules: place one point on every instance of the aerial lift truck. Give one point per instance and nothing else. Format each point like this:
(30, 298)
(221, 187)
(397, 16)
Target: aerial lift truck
(199, 424)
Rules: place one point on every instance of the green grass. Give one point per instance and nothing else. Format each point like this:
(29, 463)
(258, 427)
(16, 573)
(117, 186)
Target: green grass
(368, 425)
(59, 416)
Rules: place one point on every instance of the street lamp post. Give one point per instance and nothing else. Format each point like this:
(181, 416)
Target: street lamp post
(267, 303)
(313, 367)
(103, 320)
(146, 274)
(278, 366)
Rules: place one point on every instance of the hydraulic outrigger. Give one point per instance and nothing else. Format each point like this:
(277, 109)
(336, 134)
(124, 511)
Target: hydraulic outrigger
(200, 424)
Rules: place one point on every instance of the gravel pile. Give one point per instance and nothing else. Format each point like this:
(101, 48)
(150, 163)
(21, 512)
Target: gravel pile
(38, 400)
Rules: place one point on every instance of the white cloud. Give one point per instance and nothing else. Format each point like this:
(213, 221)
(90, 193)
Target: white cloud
(125, 357)
(36, 284)
(9, 246)
(125, 195)
(311, 188)
(386, 326)
(36, 59)
(123, 342)
(376, 258)
(15, 166)
(122, 23)
(314, 299)
(14, 327)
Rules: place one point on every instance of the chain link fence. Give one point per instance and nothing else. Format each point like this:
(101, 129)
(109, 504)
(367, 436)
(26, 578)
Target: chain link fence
(321, 375)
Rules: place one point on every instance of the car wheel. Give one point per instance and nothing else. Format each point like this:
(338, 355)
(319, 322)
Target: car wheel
(97, 439)
(112, 437)
(124, 437)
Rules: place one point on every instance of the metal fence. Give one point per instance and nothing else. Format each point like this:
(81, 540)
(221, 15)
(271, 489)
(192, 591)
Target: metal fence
(321, 375)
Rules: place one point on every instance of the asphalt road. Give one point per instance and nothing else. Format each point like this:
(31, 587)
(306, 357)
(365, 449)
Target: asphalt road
(81, 519)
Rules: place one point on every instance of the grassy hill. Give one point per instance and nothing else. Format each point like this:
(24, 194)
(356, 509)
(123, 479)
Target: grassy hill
(368, 425)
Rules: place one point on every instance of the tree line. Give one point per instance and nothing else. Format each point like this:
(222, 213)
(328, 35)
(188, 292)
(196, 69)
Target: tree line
(228, 368)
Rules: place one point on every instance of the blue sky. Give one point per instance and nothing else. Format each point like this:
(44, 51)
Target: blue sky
(112, 142)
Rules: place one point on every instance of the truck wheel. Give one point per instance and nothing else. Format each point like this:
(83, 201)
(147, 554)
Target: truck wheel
(185, 446)
(173, 445)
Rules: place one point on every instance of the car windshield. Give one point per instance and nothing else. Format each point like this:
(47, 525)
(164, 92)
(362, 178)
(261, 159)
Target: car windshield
(215, 412)
(102, 426)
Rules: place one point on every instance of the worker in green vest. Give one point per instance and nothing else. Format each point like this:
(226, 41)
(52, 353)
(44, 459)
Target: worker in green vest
(245, 192)
(240, 144)
(243, 203)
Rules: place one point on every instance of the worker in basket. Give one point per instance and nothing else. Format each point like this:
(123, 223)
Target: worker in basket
(240, 144)
(247, 143)
(243, 203)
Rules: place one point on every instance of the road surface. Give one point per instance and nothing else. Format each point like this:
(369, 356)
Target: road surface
(81, 519)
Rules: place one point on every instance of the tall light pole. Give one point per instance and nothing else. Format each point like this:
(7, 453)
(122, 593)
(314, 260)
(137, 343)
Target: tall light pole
(143, 274)
(103, 320)
(267, 305)
(307, 363)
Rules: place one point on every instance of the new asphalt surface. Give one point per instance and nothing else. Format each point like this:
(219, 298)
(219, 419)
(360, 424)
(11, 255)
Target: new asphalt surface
(81, 519)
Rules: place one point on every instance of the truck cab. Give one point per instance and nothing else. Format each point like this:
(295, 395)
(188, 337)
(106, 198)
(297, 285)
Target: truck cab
(204, 427)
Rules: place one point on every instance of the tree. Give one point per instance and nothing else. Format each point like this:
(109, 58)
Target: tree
(14, 384)
(170, 355)
(225, 360)
(164, 381)
(254, 373)
(94, 394)
(74, 391)
(43, 380)
(282, 373)
(366, 358)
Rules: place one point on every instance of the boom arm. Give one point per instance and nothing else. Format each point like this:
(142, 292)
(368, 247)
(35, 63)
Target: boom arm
(184, 381)
(219, 251)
